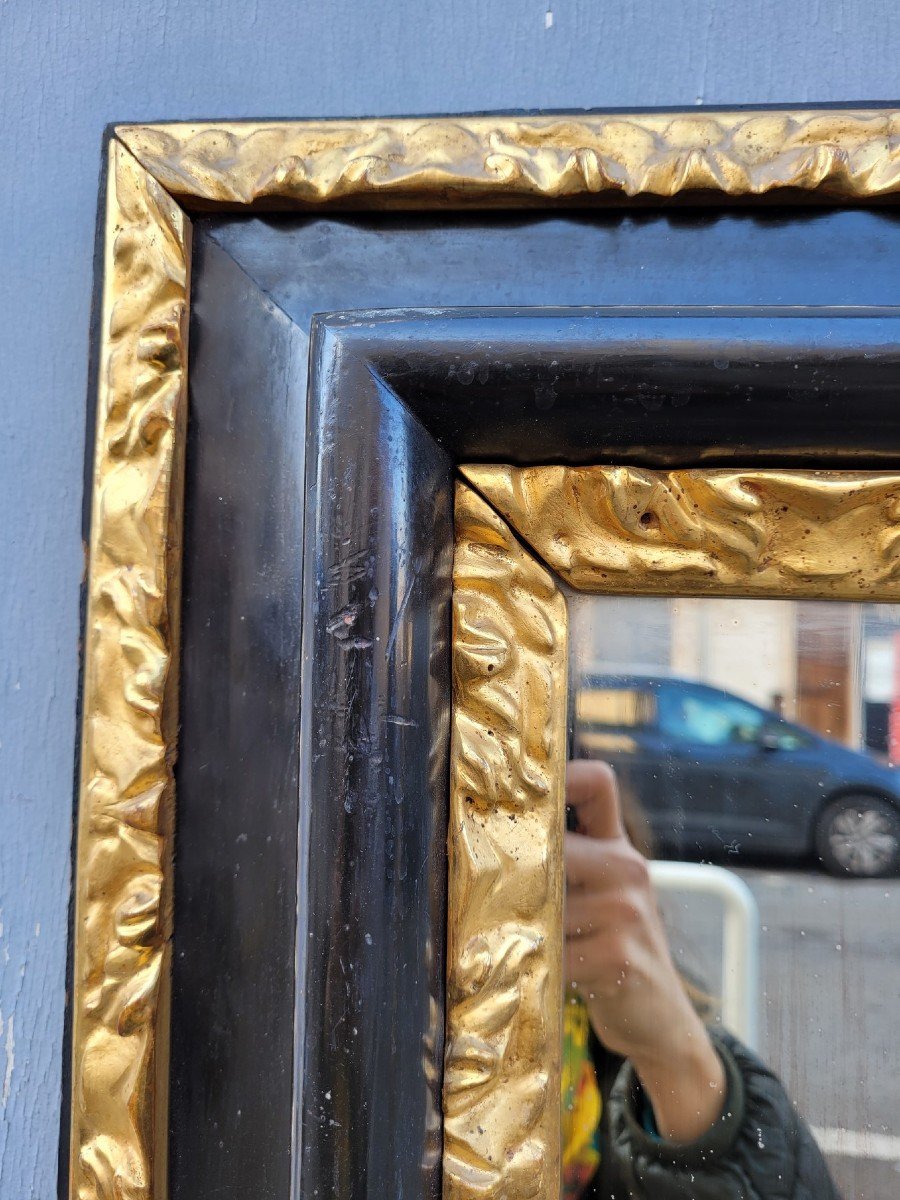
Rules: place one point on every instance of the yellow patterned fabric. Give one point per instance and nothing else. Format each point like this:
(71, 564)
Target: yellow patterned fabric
(581, 1103)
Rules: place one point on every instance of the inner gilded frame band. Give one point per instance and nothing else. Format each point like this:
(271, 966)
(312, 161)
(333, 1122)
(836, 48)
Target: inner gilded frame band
(505, 886)
(791, 534)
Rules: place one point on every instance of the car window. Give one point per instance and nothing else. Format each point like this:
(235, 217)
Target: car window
(791, 738)
(618, 708)
(695, 716)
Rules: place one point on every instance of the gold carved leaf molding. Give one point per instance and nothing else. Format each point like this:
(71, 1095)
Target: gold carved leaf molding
(123, 883)
(507, 160)
(826, 534)
(504, 954)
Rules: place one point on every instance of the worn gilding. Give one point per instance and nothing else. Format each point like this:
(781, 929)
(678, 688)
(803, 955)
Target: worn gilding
(504, 953)
(828, 534)
(508, 160)
(123, 884)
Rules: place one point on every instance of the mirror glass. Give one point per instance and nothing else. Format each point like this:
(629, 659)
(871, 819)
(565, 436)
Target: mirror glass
(753, 745)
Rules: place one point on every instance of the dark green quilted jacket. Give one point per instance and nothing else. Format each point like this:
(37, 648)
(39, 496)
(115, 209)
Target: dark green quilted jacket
(760, 1149)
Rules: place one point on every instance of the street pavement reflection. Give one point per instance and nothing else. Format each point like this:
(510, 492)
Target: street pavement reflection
(830, 969)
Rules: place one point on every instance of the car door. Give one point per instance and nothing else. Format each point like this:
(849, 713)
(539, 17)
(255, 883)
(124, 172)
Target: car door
(791, 780)
(721, 774)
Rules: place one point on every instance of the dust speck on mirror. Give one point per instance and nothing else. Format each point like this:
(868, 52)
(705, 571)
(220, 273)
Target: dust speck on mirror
(732, 917)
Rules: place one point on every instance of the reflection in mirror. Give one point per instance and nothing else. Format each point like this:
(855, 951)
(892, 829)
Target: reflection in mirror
(734, 837)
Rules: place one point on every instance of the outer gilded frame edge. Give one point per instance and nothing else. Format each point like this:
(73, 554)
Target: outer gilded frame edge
(123, 878)
(512, 160)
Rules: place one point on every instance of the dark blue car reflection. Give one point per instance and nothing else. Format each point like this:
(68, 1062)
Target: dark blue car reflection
(717, 775)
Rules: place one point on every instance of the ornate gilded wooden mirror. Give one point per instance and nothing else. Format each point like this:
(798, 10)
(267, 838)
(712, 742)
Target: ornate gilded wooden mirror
(465, 397)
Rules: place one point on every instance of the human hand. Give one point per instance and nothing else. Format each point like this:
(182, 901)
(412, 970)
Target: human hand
(617, 955)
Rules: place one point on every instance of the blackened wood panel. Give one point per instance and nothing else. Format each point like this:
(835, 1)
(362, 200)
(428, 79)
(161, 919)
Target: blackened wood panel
(237, 772)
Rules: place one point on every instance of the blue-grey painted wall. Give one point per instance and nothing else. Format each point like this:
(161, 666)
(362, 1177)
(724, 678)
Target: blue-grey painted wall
(67, 67)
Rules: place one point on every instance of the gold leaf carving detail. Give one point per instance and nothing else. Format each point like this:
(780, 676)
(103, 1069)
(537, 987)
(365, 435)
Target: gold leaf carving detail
(413, 162)
(123, 885)
(707, 532)
(504, 974)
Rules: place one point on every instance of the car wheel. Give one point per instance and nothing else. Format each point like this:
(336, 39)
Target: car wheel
(860, 836)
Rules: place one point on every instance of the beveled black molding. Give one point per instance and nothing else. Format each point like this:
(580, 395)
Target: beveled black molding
(767, 386)
(237, 774)
(743, 256)
(374, 788)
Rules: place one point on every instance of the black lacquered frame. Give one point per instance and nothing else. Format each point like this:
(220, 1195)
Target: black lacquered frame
(746, 207)
(316, 668)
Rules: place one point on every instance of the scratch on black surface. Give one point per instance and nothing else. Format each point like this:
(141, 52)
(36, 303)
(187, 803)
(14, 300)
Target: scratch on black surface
(395, 625)
(396, 719)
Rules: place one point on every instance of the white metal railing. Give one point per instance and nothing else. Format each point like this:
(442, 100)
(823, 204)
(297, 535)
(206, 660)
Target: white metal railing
(740, 937)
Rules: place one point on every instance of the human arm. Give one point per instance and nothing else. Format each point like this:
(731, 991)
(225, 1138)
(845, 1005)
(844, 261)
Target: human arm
(725, 1127)
(617, 955)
